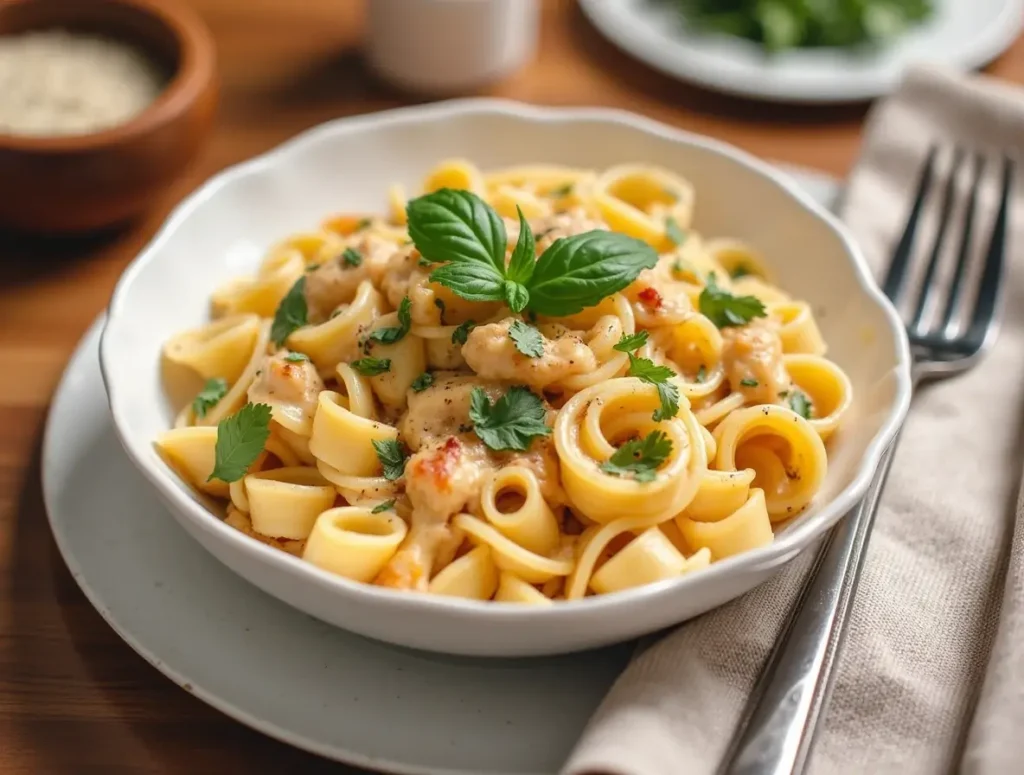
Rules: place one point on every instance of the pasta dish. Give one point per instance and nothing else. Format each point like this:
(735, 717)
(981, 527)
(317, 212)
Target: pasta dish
(527, 385)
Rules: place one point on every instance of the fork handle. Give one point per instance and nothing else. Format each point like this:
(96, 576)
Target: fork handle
(777, 730)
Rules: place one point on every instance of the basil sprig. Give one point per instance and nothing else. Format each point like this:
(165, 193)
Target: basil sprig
(466, 236)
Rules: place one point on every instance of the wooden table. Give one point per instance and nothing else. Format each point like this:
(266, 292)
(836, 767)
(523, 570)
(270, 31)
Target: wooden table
(73, 697)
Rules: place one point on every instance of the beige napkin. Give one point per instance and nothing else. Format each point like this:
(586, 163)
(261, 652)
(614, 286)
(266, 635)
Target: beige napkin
(928, 607)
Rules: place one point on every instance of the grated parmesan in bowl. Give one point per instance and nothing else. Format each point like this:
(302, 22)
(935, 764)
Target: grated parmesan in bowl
(56, 82)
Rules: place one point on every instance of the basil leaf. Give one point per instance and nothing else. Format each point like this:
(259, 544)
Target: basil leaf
(472, 281)
(579, 271)
(516, 296)
(524, 257)
(292, 313)
(640, 457)
(391, 457)
(213, 391)
(511, 422)
(527, 339)
(457, 226)
(240, 439)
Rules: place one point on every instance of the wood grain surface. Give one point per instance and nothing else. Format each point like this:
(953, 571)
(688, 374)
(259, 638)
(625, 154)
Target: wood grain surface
(73, 697)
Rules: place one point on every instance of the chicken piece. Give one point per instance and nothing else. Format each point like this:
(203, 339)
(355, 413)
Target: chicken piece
(442, 409)
(441, 479)
(658, 297)
(567, 224)
(290, 388)
(335, 282)
(430, 304)
(752, 356)
(492, 354)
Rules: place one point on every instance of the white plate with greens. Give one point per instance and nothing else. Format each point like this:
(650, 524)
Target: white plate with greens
(962, 34)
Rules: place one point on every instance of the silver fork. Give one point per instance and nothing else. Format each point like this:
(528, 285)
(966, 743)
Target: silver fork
(777, 731)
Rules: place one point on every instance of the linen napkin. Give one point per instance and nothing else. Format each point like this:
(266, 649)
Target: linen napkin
(928, 607)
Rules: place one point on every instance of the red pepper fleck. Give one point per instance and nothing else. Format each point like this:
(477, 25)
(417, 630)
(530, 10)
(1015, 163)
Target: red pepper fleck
(650, 298)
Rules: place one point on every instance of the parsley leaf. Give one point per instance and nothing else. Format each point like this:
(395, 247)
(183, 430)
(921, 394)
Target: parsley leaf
(240, 439)
(631, 342)
(527, 339)
(645, 369)
(296, 357)
(800, 404)
(393, 334)
(292, 313)
(391, 456)
(577, 272)
(675, 234)
(382, 507)
(749, 382)
(724, 309)
(439, 303)
(461, 334)
(640, 457)
(422, 382)
(511, 422)
(351, 257)
(213, 391)
(371, 367)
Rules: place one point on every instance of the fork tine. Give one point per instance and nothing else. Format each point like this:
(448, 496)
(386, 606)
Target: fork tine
(989, 288)
(956, 290)
(897, 273)
(928, 283)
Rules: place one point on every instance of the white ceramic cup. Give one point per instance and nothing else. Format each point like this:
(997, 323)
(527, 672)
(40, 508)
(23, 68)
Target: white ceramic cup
(445, 46)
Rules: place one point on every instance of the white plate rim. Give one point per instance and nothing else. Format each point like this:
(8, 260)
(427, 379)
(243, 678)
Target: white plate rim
(680, 64)
(793, 540)
(89, 341)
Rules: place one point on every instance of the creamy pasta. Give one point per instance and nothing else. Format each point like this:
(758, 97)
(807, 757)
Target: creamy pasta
(527, 385)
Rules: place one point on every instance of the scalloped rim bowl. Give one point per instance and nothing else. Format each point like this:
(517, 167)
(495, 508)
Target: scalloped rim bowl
(223, 228)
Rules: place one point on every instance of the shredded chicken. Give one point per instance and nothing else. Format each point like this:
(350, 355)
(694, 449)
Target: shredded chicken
(567, 224)
(442, 409)
(335, 282)
(441, 479)
(492, 354)
(290, 387)
(753, 362)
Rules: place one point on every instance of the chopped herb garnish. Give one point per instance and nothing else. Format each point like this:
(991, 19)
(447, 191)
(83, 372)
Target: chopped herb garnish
(563, 190)
(640, 457)
(335, 313)
(382, 507)
(296, 357)
(527, 339)
(740, 270)
(292, 313)
(422, 382)
(675, 234)
(312, 267)
(749, 382)
(702, 374)
(371, 367)
(351, 257)
(439, 303)
(631, 342)
(240, 440)
(391, 455)
(364, 223)
(424, 262)
(724, 309)
(659, 376)
(801, 404)
(213, 391)
(395, 333)
(511, 422)
(461, 334)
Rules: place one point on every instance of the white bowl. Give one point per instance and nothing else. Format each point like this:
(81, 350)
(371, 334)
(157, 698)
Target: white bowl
(224, 227)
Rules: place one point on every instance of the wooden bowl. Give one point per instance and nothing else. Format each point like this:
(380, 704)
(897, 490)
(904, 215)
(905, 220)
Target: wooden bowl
(83, 182)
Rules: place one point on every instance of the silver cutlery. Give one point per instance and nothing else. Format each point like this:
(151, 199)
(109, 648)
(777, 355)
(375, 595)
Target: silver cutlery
(785, 710)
